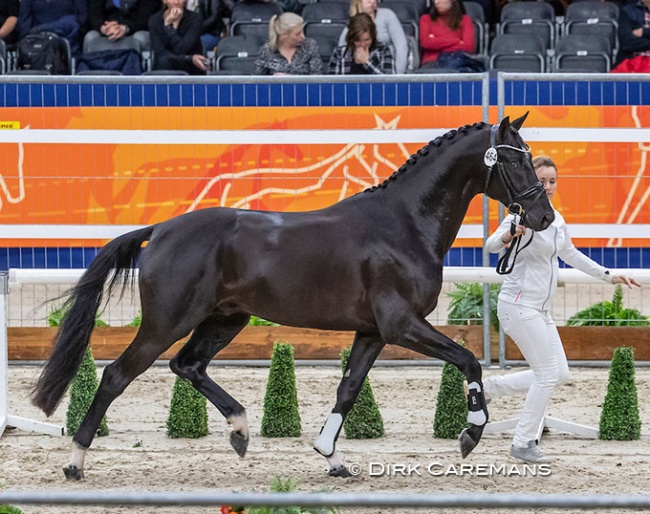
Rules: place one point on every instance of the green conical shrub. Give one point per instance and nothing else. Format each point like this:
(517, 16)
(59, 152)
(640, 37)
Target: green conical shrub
(451, 406)
(188, 412)
(364, 420)
(82, 391)
(9, 509)
(619, 419)
(281, 417)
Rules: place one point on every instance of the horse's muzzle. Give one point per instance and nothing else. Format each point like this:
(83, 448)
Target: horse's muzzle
(547, 219)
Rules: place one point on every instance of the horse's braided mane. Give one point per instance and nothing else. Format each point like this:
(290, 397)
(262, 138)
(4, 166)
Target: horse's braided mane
(424, 151)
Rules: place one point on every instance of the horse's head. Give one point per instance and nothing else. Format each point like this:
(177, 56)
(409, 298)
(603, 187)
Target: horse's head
(511, 177)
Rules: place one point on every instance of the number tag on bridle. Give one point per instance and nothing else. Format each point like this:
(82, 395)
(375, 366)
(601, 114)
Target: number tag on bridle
(490, 158)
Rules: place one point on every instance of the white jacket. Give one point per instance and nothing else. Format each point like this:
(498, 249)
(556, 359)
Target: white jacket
(533, 280)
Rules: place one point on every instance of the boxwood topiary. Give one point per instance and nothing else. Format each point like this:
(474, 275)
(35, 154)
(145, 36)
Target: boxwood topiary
(451, 406)
(281, 417)
(364, 420)
(82, 391)
(188, 412)
(619, 419)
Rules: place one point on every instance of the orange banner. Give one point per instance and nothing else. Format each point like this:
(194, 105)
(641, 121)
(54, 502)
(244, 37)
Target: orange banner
(124, 184)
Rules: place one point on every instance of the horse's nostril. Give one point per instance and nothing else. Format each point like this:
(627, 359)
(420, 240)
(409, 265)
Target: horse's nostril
(547, 220)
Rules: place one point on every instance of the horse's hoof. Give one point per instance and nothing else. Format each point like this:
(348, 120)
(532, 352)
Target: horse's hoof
(341, 472)
(467, 444)
(239, 443)
(73, 473)
(469, 438)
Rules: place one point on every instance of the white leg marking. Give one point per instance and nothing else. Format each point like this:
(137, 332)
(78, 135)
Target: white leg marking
(77, 457)
(240, 424)
(334, 462)
(327, 438)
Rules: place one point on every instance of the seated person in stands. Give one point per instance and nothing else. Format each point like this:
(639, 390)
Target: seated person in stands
(214, 26)
(176, 39)
(288, 51)
(9, 10)
(445, 29)
(389, 30)
(115, 20)
(634, 36)
(362, 54)
(66, 18)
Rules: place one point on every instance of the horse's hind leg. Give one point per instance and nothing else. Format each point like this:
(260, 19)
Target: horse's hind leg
(365, 350)
(212, 335)
(135, 360)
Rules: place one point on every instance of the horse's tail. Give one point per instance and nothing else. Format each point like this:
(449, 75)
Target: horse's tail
(119, 256)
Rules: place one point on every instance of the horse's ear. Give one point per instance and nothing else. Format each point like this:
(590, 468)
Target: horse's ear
(519, 122)
(504, 127)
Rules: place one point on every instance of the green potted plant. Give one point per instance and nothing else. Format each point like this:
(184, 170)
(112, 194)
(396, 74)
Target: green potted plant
(609, 314)
(466, 305)
(279, 485)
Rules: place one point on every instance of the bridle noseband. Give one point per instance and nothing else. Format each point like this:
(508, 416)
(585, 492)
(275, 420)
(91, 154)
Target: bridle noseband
(533, 193)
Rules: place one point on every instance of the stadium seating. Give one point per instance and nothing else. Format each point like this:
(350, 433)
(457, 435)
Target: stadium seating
(518, 53)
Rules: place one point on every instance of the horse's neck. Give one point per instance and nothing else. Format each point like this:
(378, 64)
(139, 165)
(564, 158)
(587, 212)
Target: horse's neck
(439, 197)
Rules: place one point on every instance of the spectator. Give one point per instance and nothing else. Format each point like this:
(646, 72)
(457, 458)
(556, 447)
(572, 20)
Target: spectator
(633, 36)
(389, 30)
(66, 18)
(288, 51)
(116, 20)
(445, 29)
(362, 54)
(176, 39)
(9, 10)
(214, 26)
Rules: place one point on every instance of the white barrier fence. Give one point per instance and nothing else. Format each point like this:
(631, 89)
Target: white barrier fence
(17, 278)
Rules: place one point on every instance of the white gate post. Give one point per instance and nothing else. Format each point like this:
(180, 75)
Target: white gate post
(6, 419)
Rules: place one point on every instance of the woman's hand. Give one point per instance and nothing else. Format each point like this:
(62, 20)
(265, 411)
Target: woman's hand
(173, 16)
(361, 55)
(623, 279)
(508, 237)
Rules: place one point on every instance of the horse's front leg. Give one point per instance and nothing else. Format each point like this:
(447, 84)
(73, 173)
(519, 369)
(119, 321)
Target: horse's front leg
(417, 334)
(365, 349)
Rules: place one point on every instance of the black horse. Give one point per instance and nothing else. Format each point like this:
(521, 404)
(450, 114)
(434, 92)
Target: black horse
(371, 264)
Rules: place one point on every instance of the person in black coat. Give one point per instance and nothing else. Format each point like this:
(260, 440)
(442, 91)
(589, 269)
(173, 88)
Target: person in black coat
(176, 39)
(119, 19)
(9, 10)
(633, 29)
(214, 26)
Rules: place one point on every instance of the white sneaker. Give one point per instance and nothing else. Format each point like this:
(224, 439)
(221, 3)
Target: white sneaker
(530, 453)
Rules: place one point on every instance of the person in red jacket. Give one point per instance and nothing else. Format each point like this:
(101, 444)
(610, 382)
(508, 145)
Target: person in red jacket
(445, 29)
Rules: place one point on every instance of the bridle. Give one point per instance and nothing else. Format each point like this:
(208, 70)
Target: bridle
(515, 200)
(491, 158)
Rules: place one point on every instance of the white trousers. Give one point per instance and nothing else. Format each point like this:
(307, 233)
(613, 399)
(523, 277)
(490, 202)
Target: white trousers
(536, 335)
